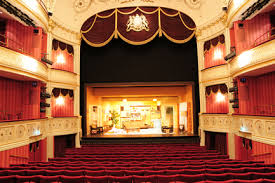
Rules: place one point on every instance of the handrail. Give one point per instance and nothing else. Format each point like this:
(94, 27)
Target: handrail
(20, 157)
(6, 42)
(263, 154)
(267, 36)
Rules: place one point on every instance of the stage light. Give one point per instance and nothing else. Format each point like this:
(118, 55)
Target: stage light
(220, 97)
(124, 100)
(155, 99)
(60, 59)
(245, 58)
(60, 101)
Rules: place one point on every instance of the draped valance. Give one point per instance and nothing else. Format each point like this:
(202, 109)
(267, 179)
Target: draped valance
(57, 91)
(63, 46)
(99, 29)
(213, 42)
(215, 88)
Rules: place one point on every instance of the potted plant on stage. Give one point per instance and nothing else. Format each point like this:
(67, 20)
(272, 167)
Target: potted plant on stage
(114, 118)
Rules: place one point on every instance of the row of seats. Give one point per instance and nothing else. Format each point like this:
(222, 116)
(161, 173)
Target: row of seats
(139, 155)
(143, 159)
(135, 172)
(140, 164)
(190, 167)
(248, 177)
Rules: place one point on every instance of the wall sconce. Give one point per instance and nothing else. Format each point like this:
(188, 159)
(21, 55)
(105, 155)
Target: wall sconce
(155, 99)
(60, 101)
(124, 100)
(217, 54)
(220, 97)
(60, 59)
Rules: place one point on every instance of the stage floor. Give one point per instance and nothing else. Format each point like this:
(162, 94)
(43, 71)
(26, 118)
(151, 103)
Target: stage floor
(165, 135)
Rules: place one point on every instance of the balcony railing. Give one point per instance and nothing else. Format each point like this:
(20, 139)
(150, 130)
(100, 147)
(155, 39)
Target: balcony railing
(11, 44)
(267, 36)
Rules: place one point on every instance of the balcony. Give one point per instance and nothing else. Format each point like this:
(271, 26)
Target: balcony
(214, 73)
(260, 57)
(15, 134)
(16, 63)
(259, 128)
(65, 77)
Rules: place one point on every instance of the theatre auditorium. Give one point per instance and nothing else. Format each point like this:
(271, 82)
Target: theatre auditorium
(137, 91)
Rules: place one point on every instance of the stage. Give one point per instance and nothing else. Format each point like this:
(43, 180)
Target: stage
(141, 138)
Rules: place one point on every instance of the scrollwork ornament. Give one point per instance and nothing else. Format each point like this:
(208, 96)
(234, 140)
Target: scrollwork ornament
(81, 5)
(195, 4)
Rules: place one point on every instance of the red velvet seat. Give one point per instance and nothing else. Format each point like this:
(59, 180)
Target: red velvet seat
(167, 178)
(97, 179)
(35, 172)
(49, 179)
(215, 171)
(115, 172)
(16, 172)
(144, 179)
(120, 179)
(241, 176)
(95, 173)
(191, 178)
(72, 179)
(29, 179)
(54, 172)
(154, 172)
(194, 172)
(256, 175)
(174, 172)
(217, 177)
(74, 173)
(8, 179)
(134, 172)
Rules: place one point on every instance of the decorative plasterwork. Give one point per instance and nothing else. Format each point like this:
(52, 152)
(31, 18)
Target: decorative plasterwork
(20, 64)
(212, 27)
(81, 5)
(63, 32)
(257, 128)
(193, 3)
(260, 56)
(19, 133)
(64, 77)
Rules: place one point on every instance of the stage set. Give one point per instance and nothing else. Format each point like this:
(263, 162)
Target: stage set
(139, 111)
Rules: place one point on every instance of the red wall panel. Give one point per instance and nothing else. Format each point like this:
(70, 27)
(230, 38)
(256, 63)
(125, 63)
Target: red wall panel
(14, 156)
(214, 56)
(68, 64)
(246, 36)
(19, 99)
(214, 106)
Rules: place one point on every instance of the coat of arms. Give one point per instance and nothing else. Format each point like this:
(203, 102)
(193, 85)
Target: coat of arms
(137, 23)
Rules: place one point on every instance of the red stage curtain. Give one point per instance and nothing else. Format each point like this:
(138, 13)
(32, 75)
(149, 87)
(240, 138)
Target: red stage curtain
(65, 109)
(19, 100)
(99, 29)
(253, 32)
(65, 52)
(14, 156)
(256, 95)
(22, 39)
(217, 99)
(214, 52)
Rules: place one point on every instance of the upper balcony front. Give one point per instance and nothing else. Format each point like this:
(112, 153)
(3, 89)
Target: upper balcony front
(29, 11)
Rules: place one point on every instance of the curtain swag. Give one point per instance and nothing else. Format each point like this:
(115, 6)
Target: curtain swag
(101, 28)
(57, 91)
(215, 88)
(213, 42)
(63, 46)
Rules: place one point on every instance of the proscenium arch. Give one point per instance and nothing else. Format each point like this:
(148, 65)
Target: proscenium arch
(120, 62)
(174, 25)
